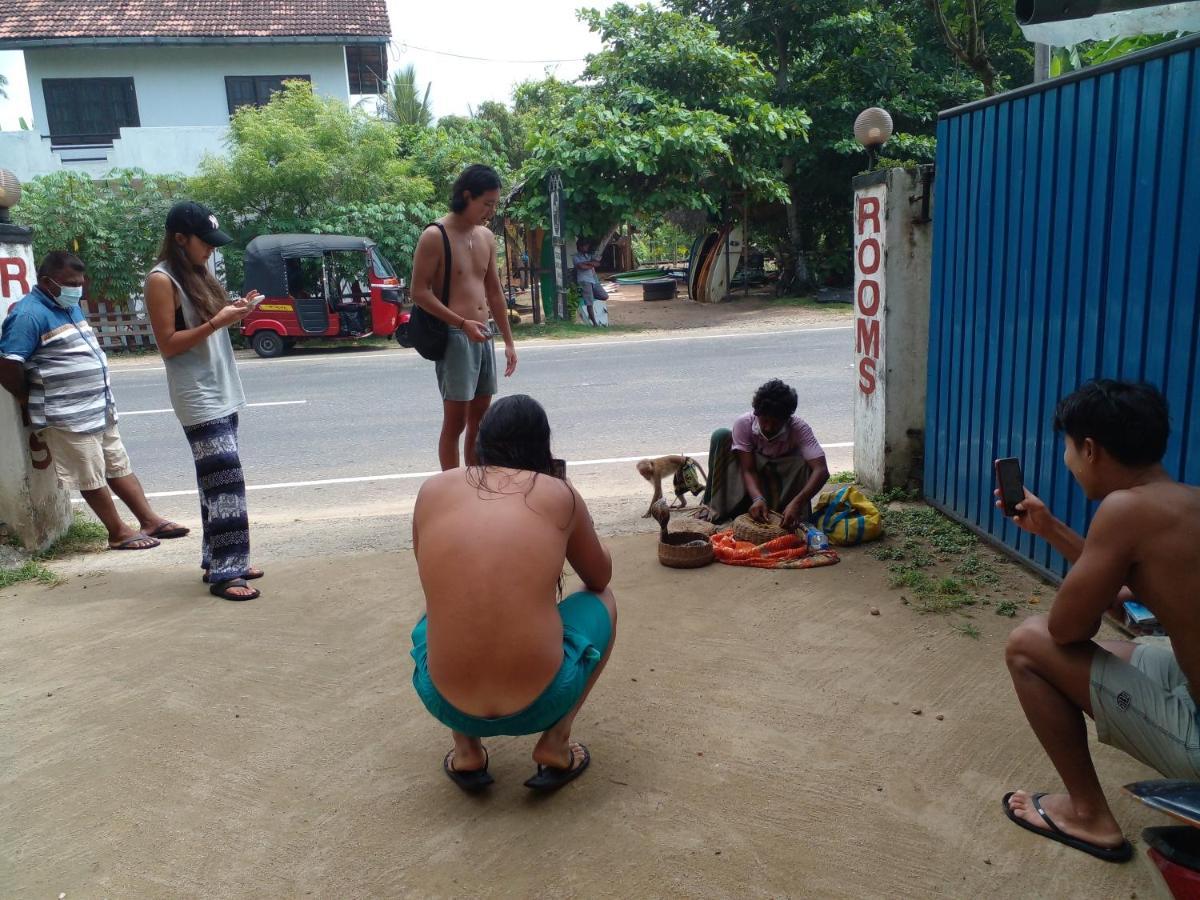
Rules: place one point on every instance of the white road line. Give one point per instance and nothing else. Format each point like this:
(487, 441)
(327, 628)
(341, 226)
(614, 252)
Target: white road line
(522, 347)
(151, 412)
(408, 476)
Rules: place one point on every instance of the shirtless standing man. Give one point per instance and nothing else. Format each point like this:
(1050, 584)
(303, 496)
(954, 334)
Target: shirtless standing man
(495, 653)
(1146, 534)
(467, 373)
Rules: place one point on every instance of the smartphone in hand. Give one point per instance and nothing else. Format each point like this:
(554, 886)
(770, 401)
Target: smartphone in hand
(1011, 482)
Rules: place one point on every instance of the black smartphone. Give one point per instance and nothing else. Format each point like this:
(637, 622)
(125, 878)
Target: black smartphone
(1011, 482)
(558, 468)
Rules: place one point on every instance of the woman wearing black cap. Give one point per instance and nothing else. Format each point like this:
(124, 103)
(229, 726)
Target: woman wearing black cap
(190, 313)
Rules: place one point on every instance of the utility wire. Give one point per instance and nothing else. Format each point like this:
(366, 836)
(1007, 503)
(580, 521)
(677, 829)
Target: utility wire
(404, 45)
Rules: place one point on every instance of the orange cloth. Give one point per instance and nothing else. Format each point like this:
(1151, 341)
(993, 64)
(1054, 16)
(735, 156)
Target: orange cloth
(787, 552)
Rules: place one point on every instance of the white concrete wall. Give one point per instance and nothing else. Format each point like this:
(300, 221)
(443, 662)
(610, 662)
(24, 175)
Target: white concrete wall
(185, 85)
(32, 503)
(160, 151)
(893, 263)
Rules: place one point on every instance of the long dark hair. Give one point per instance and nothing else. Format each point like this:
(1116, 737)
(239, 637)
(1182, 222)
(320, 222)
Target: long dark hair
(197, 282)
(515, 434)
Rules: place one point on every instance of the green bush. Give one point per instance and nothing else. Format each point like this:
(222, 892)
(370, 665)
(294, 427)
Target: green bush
(115, 225)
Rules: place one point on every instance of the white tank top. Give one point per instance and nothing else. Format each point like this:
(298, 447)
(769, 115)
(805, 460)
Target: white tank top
(203, 382)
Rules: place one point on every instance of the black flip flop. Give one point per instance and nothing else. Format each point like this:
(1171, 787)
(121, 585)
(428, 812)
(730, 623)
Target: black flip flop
(221, 589)
(168, 531)
(550, 778)
(472, 781)
(1120, 854)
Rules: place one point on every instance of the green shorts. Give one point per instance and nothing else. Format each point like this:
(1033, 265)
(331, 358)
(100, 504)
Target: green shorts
(1144, 707)
(587, 631)
(468, 370)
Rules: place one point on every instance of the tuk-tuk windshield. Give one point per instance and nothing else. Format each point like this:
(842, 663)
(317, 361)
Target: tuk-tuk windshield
(383, 268)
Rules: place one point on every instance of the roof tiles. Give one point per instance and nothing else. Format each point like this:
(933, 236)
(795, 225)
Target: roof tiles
(69, 21)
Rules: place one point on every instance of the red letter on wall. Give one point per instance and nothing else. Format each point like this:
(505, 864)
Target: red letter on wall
(866, 371)
(868, 208)
(867, 338)
(13, 271)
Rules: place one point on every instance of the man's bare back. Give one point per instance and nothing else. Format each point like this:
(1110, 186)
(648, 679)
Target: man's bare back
(490, 555)
(1162, 519)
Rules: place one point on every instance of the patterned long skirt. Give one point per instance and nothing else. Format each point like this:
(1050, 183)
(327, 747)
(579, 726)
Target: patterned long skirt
(225, 553)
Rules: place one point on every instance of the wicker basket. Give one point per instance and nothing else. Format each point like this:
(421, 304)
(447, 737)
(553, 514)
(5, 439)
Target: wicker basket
(746, 529)
(685, 550)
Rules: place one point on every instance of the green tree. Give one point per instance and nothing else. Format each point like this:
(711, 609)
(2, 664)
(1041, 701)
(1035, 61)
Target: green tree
(304, 163)
(115, 225)
(403, 101)
(834, 58)
(439, 154)
(667, 118)
(3, 85)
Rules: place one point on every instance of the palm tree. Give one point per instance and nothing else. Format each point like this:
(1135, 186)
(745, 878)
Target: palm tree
(403, 102)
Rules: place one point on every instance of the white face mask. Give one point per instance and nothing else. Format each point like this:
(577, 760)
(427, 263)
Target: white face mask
(68, 295)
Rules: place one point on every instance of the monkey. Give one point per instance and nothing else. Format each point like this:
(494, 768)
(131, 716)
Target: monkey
(655, 470)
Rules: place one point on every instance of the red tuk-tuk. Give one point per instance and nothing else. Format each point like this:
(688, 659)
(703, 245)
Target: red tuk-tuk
(319, 286)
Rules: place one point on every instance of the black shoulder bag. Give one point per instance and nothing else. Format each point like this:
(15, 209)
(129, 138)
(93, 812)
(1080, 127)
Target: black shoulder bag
(427, 332)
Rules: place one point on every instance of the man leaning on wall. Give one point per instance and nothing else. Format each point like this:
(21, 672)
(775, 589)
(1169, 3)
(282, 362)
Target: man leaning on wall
(51, 361)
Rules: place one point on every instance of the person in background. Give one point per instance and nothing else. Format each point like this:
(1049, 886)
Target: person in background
(466, 375)
(53, 364)
(190, 313)
(590, 288)
(770, 460)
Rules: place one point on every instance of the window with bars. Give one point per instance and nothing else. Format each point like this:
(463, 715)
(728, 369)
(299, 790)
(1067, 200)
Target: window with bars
(367, 67)
(255, 90)
(82, 111)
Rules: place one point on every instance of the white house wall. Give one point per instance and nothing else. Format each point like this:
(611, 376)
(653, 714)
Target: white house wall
(185, 85)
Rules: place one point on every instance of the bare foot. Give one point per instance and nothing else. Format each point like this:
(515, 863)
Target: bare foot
(557, 752)
(468, 754)
(1100, 829)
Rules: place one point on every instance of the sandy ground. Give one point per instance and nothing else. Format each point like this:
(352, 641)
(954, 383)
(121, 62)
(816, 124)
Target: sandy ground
(752, 737)
(758, 311)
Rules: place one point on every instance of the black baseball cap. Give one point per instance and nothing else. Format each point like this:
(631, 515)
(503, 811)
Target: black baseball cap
(190, 217)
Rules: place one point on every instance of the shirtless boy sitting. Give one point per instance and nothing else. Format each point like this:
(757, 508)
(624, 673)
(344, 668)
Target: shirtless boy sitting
(467, 374)
(495, 654)
(1145, 534)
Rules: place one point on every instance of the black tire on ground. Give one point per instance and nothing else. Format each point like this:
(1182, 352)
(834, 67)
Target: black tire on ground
(267, 344)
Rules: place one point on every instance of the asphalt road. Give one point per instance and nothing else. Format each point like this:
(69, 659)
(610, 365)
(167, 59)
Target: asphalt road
(350, 434)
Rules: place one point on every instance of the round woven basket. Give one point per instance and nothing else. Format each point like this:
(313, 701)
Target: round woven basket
(685, 550)
(746, 529)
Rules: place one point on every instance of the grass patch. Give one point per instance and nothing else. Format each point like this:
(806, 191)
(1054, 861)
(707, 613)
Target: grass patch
(811, 302)
(967, 629)
(85, 535)
(1006, 608)
(28, 571)
(842, 478)
(559, 330)
(892, 494)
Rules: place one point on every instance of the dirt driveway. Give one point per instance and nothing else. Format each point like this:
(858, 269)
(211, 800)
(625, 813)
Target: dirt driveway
(754, 736)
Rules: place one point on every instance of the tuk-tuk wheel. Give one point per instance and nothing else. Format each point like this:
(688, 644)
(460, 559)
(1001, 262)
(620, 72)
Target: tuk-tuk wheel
(267, 344)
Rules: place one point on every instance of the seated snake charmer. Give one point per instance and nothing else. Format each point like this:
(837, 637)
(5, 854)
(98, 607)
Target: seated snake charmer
(771, 460)
(496, 654)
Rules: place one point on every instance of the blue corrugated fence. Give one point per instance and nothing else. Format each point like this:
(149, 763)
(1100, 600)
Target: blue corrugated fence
(1066, 247)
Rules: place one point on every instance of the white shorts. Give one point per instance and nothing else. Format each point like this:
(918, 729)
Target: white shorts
(86, 461)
